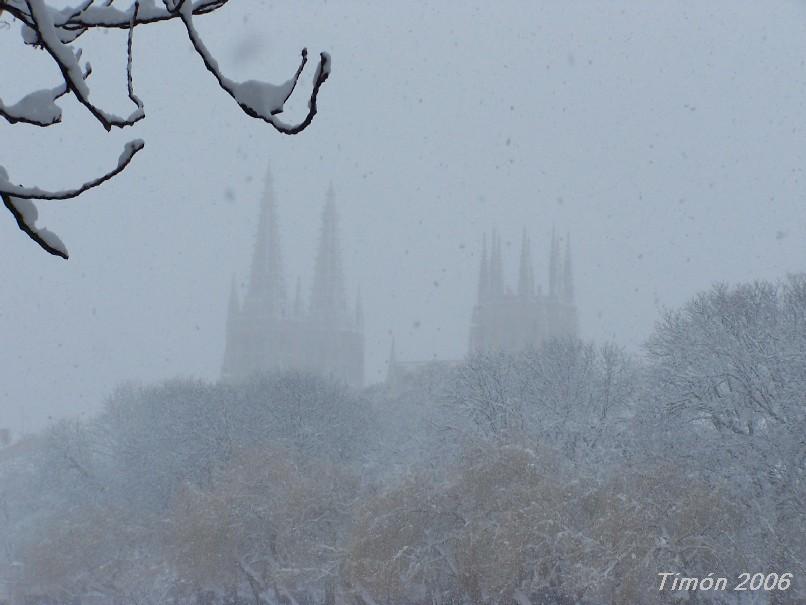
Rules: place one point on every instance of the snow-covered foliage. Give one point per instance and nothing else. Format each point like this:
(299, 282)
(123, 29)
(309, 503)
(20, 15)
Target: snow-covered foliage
(566, 394)
(56, 30)
(728, 378)
(570, 473)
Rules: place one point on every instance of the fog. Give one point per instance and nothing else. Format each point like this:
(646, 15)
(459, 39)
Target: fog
(666, 139)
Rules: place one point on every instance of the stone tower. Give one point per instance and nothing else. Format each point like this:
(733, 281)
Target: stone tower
(266, 334)
(509, 320)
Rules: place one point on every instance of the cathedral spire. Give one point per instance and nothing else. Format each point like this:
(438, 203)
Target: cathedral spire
(496, 287)
(266, 294)
(568, 274)
(328, 302)
(484, 273)
(554, 265)
(526, 286)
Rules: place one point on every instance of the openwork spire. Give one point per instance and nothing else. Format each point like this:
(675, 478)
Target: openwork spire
(328, 301)
(266, 293)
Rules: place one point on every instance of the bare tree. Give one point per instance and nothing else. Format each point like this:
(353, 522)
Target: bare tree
(570, 395)
(56, 30)
(728, 375)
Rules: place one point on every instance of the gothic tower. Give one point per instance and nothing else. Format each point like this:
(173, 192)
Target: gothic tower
(328, 302)
(264, 335)
(511, 321)
(265, 297)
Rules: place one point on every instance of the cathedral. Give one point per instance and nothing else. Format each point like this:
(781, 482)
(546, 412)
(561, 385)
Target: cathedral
(511, 320)
(325, 336)
(265, 333)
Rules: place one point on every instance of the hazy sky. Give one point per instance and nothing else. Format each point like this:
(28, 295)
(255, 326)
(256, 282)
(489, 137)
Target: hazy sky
(668, 138)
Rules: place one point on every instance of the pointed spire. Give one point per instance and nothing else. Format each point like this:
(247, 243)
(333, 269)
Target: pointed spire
(554, 265)
(496, 268)
(568, 273)
(299, 306)
(266, 294)
(526, 286)
(328, 302)
(484, 273)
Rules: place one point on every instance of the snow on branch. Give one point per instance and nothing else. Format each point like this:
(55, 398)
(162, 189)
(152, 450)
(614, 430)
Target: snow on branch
(66, 59)
(39, 107)
(17, 199)
(25, 213)
(54, 30)
(28, 193)
(258, 99)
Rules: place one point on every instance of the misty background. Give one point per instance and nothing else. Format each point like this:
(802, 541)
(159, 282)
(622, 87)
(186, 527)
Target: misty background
(668, 139)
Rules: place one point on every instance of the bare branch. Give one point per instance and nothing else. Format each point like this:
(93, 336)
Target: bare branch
(17, 200)
(39, 107)
(257, 99)
(35, 193)
(54, 30)
(106, 17)
(67, 61)
(129, 82)
(16, 9)
(25, 213)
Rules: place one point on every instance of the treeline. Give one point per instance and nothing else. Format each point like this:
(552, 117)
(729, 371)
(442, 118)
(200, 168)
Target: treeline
(569, 473)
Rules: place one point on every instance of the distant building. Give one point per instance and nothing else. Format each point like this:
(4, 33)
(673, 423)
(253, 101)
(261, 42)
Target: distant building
(512, 320)
(5, 437)
(265, 333)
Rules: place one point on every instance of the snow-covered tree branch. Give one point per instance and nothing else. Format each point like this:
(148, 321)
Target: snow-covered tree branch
(56, 30)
